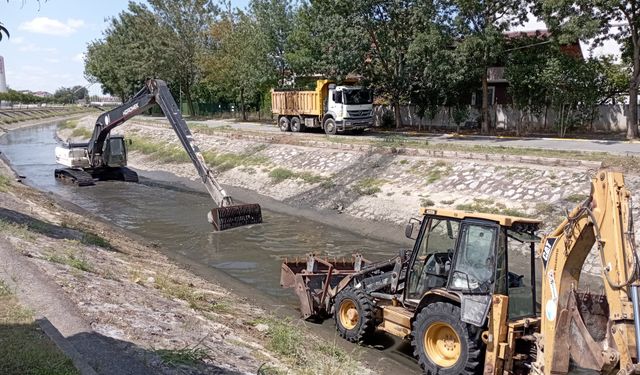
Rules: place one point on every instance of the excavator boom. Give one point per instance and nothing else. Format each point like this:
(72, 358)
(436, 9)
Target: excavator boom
(603, 220)
(228, 214)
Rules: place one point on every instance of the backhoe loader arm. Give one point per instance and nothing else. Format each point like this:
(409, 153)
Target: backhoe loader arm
(603, 220)
(154, 92)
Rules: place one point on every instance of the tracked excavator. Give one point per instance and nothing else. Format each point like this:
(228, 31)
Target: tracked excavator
(104, 156)
(474, 296)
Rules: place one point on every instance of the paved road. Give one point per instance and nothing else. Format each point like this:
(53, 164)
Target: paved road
(593, 145)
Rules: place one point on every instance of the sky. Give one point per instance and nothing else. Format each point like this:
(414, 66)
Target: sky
(48, 39)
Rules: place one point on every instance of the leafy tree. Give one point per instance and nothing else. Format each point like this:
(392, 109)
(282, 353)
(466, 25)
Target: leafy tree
(479, 25)
(3, 30)
(239, 66)
(135, 47)
(602, 19)
(188, 21)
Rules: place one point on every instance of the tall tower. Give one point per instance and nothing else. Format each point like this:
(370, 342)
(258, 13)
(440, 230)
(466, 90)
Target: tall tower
(3, 79)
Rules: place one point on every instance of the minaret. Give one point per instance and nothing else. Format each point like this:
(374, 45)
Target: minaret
(3, 79)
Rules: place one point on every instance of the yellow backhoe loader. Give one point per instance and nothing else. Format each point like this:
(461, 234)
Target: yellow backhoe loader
(474, 295)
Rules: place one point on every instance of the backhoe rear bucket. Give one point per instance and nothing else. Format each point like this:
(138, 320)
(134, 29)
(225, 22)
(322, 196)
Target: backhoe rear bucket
(235, 216)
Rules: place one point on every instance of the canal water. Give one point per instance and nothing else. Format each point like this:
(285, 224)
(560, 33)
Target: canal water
(176, 220)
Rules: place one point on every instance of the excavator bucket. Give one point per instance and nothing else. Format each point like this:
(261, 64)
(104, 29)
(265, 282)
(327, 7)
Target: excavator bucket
(234, 216)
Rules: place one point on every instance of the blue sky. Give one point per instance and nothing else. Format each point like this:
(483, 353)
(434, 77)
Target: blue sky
(48, 39)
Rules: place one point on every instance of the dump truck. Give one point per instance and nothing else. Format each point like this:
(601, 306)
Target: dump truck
(335, 109)
(483, 294)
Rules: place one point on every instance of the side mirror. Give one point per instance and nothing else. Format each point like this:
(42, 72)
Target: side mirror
(410, 227)
(408, 230)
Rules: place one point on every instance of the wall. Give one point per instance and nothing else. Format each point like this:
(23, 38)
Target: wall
(610, 118)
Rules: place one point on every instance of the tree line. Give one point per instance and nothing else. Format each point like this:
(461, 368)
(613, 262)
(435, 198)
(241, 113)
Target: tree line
(63, 95)
(426, 53)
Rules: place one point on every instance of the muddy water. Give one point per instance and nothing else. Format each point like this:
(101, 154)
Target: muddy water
(176, 219)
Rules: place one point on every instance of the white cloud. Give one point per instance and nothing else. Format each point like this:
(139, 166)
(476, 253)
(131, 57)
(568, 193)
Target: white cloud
(49, 26)
(16, 40)
(52, 60)
(79, 57)
(30, 47)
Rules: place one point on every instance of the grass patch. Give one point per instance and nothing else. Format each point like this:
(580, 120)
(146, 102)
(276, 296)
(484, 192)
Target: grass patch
(185, 356)
(95, 240)
(448, 202)
(4, 289)
(71, 260)
(24, 348)
(166, 153)
(17, 230)
(279, 175)
(5, 183)
(369, 186)
(426, 202)
(544, 208)
(439, 170)
(196, 299)
(227, 161)
(69, 124)
(284, 338)
(81, 132)
(576, 198)
(489, 207)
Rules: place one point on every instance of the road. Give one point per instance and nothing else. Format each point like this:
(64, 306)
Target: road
(586, 145)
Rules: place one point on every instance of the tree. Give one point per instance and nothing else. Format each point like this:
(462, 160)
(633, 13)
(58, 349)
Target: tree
(479, 25)
(188, 21)
(371, 38)
(135, 47)
(602, 19)
(3, 30)
(239, 64)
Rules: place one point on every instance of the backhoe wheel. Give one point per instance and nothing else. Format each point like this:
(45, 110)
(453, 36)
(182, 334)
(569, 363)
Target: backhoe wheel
(330, 126)
(283, 124)
(296, 124)
(354, 314)
(442, 343)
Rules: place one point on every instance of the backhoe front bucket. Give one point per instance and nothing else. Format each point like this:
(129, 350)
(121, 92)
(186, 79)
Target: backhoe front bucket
(235, 216)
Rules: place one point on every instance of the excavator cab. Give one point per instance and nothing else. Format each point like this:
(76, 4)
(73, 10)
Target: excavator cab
(115, 152)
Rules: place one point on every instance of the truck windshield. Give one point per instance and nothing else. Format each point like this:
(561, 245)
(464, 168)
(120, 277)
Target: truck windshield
(357, 96)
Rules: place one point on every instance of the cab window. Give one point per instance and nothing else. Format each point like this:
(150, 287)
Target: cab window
(433, 259)
(475, 260)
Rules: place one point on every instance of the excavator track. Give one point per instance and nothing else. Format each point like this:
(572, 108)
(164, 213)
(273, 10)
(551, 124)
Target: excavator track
(74, 176)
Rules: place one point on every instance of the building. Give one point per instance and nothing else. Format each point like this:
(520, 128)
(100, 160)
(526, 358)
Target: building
(496, 80)
(3, 78)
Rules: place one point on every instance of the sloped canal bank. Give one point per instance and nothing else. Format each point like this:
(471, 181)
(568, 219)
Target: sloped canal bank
(173, 221)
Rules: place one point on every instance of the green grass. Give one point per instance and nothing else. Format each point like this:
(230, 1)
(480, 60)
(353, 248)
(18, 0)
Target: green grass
(69, 124)
(369, 186)
(284, 337)
(543, 208)
(196, 299)
(278, 175)
(185, 356)
(448, 202)
(426, 202)
(5, 183)
(576, 198)
(226, 161)
(81, 132)
(24, 348)
(489, 207)
(4, 289)
(166, 153)
(71, 260)
(95, 240)
(17, 230)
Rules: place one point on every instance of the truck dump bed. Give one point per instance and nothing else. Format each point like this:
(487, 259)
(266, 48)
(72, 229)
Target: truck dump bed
(296, 103)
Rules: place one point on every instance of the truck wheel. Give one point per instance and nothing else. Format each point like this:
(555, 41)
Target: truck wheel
(354, 315)
(330, 126)
(296, 124)
(284, 124)
(442, 343)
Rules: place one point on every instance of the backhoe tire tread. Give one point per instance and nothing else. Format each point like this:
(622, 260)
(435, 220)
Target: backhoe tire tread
(470, 361)
(366, 322)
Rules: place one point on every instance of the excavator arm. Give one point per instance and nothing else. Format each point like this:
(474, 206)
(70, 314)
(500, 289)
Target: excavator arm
(155, 91)
(604, 220)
